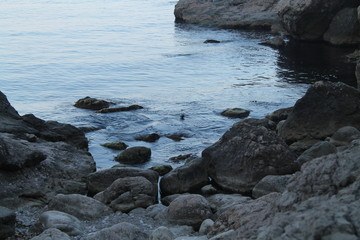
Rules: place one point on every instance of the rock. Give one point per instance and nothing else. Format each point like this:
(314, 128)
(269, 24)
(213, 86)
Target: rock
(115, 145)
(317, 150)
(191, 209)
(344, 136)
(357, 73)
(100, 180)
(91, 103)
(162, 233)
(303, 20)
(134, 155)
(168, 199)
(221, 202)
(7, 222)
(187, 178)
(324, 109)
(228, 235)
(300, 146)
(182, 157)
(211, 41)
(52, 234)
(153, 137)
(80, 206)
(280, 114)
(120, 109)
(275, 42)
(225, 14)
(6, 110)
(155, 211)
(89, 129)
(269, 184)
(235, 113)
(344, 28)
(62, 221)
(162, 169)
(209, 190)
(177, 137)
(123, 231)
(126, 194)
(245, 154)
(206, 226)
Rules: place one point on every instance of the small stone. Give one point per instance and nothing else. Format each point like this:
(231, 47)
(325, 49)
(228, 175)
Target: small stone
(115, 145)
(153, 137)
(134, 155)
(206, 226)
(235, 113)
(211, 41)
(179, 158)
(91, 103)
(177, 137)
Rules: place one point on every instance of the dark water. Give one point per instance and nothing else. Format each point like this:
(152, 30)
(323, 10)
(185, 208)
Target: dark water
(131, 52)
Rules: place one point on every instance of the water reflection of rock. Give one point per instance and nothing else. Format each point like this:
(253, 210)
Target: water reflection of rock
(307, 62)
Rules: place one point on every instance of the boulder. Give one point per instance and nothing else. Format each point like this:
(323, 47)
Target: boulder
(119, 109)
(245, 154)
(190, 209)
(52, 234)
(221, 202)
(344, 28)
(269, 184)
(134, 155)
(228, 14)
(187, 178)
(317, 150)
(126, 194)
(80, 206)
(100, 180)
(123, 231)
(7, 223)
(91, 103)
(162, 233)
(235, 113)
(280, 114)
(325, 108)
(206, 226)
(153, 137)
(344, 136)
(115, 145)
(62, 221)
(162, 169)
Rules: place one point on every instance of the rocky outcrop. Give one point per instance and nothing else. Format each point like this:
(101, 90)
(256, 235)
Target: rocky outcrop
(324, 109)
(245, 154)
(228, 14)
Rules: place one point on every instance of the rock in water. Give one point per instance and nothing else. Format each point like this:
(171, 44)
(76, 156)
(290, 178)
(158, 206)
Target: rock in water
(91, 103)
(134, 155)
(235, 113)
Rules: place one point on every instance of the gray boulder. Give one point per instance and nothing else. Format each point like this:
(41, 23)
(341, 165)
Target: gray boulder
(189, 177)
(80, 206)
(344, 136)
(324, 109)
(62, 221)
(245, 154)
(7, 222)
(162, 233)
(221, 202)
(91, 103)
(126, 194)
(120, 231)
(52, 234)
(100, 180)
(317, 150)
(134, 155)
(206, 226)
(280, 114)
(269, 184)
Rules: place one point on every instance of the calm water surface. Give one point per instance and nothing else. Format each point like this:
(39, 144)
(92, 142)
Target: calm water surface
(54, 52)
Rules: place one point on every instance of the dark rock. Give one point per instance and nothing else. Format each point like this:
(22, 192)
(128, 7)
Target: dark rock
(302, 145)
(275, 42)
(115, 145)
(245, 154)
(62, 221)
(235, 113)
(100, 180)
(211, 41)
(123, 231)
(89, 129)
(92, 103)
(209, 190)
(7, 222)
(269, 184)
(357, 73)
(344, 136)
(187, 178)
(162, 169)
(182, 157)
(222, 202)
(134, 155)
(279, 115)
(317, 150)
(153, 137)
(119, 109)
(324, 109)
(6, 109)
(168, 199)
(52, 234)
(177, 137)
(126, 194)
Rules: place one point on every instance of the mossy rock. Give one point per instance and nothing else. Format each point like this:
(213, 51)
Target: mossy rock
(235, 113)
(134, 155)
(153, 137)
(115, 145)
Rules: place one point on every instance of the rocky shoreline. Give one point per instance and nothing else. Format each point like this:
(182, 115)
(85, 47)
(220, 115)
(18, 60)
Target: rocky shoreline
(292, 175)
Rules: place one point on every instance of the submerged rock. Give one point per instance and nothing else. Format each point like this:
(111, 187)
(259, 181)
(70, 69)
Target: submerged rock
(115, 145)
(153, 137)
(91, 103)
(235, 113)
(134, 155)
(211, 41)
(120, 109)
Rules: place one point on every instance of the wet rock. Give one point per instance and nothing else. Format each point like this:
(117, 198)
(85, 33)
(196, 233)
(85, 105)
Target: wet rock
(191, 209)
(211, 41)
(269, 184)
(280, 114)
(245, 154)
(89, 129)
(177, 137)
(344, 28)
(134, 155)
(324, 109)
(123, 231)
(206, 226)
(225, 14)
(7, 222)
(126, 194)
(344, 136)
(187, 178)
(235, 113)
(120, 109)
(179, 158)
(162, 169)
(91, 103)
(62, 221)
(115, 145)
(162, 233)
(80, 206)
(100, 180)
(317, 150)
(52, 234)
(153, 137)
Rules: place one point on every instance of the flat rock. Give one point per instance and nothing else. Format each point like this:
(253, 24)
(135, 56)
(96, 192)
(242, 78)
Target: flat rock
(235, 113)
(153, 137)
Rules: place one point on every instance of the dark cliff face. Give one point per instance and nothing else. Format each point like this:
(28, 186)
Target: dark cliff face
(6, 109)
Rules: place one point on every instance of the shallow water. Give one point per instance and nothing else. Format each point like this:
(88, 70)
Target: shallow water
(54, 52)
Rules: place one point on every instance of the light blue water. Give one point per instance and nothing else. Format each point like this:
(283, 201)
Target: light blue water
(54, 52)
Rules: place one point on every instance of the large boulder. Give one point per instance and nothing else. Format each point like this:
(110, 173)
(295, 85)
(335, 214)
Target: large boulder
(325, 108)
(269, 184)
(228, 14)
(126, 194)
(189, 177)
(62, 221)
(123, 231)
(245, 154)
